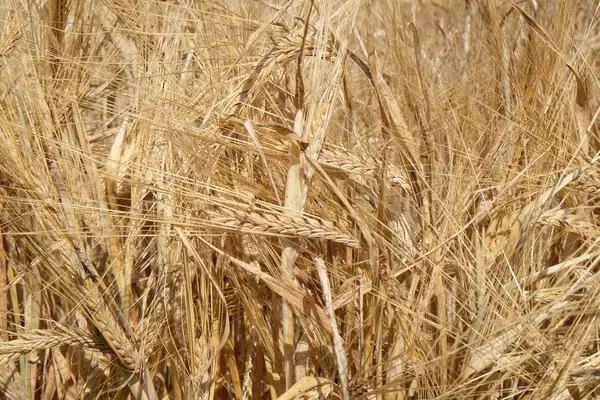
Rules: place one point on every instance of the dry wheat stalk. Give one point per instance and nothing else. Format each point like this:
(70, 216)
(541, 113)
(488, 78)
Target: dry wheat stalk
(340, 353)
(293, 206)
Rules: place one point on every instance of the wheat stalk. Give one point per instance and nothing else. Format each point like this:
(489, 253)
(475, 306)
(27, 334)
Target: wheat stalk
(340, 353)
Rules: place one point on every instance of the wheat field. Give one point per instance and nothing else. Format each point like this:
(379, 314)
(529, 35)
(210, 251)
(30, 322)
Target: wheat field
(299, 199)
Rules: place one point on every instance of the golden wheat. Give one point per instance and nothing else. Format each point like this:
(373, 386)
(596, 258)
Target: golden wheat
(311, 199)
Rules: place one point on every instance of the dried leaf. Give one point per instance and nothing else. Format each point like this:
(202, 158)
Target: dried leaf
(309, 387)
(583, 113)
(488, 353)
